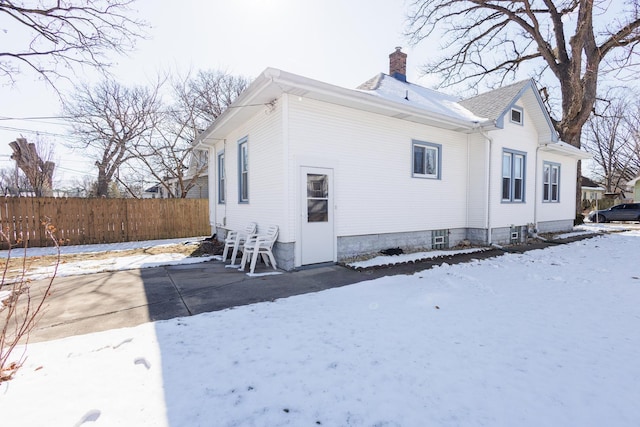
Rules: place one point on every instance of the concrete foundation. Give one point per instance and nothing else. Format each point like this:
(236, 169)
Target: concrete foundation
(352, 246)
(555, 226)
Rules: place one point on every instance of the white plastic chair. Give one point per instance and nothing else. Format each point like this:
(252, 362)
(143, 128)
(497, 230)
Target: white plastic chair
(260, 244)
(235, 239)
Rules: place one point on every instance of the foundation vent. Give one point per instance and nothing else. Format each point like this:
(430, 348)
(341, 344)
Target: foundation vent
(440, 239)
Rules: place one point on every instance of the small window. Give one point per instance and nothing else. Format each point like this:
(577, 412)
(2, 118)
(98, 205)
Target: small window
(516, 115)
(550, 182)
(426, 160)
(221, 178)
(513, 176)
(243, 171)
(317, 198)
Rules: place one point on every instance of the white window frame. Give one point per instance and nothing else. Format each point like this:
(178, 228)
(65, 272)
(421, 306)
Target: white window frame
(511, 173)
(520, 112)
(548, 184)
(221, 178)
(243, 170)
(436, 156)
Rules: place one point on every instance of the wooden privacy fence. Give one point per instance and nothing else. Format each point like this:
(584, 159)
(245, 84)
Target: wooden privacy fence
(91, 221)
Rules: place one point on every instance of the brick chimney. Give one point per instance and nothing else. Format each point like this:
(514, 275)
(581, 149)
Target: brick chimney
(398, 65)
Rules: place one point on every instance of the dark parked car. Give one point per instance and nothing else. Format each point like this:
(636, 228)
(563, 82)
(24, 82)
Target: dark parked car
(622, 212)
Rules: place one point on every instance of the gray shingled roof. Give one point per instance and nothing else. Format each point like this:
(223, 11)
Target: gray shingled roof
(373, 83)
(493, 104)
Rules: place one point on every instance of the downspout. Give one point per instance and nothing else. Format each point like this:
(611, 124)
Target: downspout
(533, 231)
(226, 178)
(488, 182)
(468, 183)
(211, 180)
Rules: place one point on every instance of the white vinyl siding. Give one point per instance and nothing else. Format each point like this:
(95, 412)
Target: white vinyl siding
(266, 175)
(326, 135)
(564, 208)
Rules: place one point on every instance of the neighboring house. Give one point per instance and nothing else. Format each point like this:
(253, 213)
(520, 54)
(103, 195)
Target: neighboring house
(634, 184)
(152, 192)
(591, 191)
(347, 172)
(200, 189)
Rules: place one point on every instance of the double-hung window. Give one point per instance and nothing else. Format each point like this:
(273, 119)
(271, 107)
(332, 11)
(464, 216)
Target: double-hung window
(221, 178)
(427, 158)
(243, 170)
(550, 182)
(513, 176)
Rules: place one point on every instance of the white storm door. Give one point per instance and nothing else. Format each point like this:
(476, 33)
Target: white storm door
(317, 235)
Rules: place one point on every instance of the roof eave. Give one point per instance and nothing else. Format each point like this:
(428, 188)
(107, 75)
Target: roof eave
(207, 138)
(366, 101)
(274, 82)
(565, 150)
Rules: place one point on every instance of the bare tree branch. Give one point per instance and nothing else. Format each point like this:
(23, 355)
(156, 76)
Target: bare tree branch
(109, 120)
(52, 37)
(495, 38)
(168, 153)
(612, 136)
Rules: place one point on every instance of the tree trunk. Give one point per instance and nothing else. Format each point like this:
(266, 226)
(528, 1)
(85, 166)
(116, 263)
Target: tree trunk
(38, 171)
(571, 134)
(102, 187)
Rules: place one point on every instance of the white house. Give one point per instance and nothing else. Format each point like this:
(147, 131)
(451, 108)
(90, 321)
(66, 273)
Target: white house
(344, 172)
(196, 172)
(635, 185)
(591, 191)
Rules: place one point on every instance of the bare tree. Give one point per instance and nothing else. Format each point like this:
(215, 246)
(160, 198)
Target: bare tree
(53, 37)
(108, 120)
(611, 136)
(212, 91)
(35, 160)
(168, 153)
(633, 119)
(84, 186)
(573, 41)
(12, 181)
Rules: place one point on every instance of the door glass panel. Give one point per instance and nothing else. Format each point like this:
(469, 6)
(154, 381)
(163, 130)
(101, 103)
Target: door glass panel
(317, 198)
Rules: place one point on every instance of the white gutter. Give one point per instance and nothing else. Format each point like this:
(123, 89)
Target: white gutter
(295, 85)
(565, 149)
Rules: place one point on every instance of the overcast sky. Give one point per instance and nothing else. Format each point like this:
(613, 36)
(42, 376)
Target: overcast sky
(335, 41)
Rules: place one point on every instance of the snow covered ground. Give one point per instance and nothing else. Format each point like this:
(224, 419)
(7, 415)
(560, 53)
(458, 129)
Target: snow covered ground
(77, 249)
(116, 263)
(545, 338)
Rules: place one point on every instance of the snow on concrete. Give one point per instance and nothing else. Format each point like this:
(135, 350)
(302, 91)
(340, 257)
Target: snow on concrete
(114, 263)
(410, 257)
(106, 247)
(549, 337)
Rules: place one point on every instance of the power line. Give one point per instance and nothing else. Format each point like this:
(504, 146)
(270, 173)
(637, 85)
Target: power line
(38, 132)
